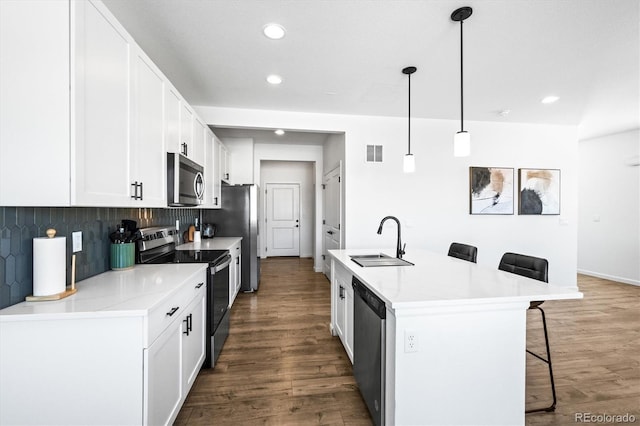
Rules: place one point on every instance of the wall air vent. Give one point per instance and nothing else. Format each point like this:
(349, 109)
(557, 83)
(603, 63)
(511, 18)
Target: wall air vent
(374, 154)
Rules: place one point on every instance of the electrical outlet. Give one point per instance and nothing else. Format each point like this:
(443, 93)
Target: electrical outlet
(77, 241)
(410, 341)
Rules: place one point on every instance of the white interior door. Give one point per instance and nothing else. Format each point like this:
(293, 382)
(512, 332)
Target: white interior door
(283, 219)
(331, 228)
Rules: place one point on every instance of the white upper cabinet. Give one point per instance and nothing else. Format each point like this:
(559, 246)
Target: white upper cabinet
(148, 152)
(225, 173)
(101, 103)
(213, 189)
(196, 149)
(34, 86)
(106, 115)
(186, 130)
(172, 107)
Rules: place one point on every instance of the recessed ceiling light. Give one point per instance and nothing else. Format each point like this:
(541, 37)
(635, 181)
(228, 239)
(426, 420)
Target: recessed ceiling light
(279, 132)
(274, 31)
(549, 99)
(274, 79)
(504, 112)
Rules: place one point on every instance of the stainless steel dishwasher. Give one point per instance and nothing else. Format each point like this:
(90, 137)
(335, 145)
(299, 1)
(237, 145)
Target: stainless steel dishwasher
(369, 335)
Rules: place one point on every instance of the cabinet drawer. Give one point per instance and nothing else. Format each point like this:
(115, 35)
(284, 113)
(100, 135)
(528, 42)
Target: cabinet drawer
(173, 307)
(342, 274)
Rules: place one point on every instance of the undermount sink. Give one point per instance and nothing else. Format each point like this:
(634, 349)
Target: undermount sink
(380, 259)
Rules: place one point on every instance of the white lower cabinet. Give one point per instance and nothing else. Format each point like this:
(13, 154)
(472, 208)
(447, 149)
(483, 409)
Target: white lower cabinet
(342, 306)
(119, 367)
(163, 374)
(235, 271)
(173, 360)
(193, 342)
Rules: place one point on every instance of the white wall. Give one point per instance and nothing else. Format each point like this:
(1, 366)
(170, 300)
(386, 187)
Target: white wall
(301, 173)
(432, 204)
(609, 214)
(333, 151)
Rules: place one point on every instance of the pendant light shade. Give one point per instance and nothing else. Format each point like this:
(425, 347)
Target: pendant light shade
(409, 164)
(462, 144)
(462, 139)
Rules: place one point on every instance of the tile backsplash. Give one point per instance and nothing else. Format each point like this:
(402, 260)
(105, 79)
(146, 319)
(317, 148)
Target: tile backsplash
(19, 225)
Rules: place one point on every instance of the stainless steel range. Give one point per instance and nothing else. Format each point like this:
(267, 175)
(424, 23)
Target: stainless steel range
(158, 245)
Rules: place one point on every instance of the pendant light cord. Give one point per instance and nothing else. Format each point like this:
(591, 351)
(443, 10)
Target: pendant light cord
(409, 120)
(461, 82)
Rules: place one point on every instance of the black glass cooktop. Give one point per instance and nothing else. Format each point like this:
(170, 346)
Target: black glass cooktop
(211, 257)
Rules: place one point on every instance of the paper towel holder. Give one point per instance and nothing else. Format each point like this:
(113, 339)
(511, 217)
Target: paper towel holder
(51, 233)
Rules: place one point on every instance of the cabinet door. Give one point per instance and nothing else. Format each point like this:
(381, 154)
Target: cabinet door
(193, 343)
(224, 164)
(348, 322)
(340, 310)
(232, 282)
(172, 119)
(186, 129)
(101, 105)
(34, 103)
(212, 150)
(196, 150)
(163, 377)
(148, 156)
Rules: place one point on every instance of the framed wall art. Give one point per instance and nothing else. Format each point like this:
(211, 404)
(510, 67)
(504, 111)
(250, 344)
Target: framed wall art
(539, 191)
(490, 190)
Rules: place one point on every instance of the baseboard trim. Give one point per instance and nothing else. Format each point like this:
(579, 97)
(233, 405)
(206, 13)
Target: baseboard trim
(609, 277)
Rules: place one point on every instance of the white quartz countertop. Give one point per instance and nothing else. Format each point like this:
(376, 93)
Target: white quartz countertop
(440, 280)
(113, 293)
(215, 243)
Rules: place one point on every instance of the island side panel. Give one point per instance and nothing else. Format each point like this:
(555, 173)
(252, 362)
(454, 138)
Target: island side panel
(468, 366)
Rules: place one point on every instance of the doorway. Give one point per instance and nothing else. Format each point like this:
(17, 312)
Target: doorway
(288, 200)
(283, 219)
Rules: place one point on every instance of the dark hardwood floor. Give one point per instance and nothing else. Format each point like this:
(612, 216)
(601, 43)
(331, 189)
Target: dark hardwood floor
(281, 366)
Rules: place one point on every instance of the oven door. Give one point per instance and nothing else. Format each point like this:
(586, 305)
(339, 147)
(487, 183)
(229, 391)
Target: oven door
(217, 305)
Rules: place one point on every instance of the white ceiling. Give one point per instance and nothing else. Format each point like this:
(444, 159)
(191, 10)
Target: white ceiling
(346, 57)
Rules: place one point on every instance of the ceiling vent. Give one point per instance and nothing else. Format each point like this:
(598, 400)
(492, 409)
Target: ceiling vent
(374, 154)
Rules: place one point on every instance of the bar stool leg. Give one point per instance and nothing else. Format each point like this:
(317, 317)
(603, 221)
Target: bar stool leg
(552, 407)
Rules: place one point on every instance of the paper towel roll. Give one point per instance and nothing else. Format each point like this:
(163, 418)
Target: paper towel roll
(49, 266)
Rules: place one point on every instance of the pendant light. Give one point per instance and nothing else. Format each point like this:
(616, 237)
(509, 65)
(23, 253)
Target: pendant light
(462, 139)
(409, 164)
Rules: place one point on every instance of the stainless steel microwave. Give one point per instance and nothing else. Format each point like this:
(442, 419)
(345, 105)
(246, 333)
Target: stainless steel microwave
(185, 181)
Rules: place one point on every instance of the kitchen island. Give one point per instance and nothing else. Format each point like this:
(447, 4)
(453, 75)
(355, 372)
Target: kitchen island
(465, 361)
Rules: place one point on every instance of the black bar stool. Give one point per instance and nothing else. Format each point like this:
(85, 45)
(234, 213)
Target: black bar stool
(536, 268)
(463, 251)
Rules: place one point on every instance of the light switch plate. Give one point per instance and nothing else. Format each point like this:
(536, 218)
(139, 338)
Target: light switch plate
(76, 237)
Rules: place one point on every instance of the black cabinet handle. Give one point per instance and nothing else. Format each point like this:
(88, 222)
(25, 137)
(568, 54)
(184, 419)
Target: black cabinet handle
(330, 232)
(173, 311)
(189, 324)
(184, 148)
(137, 186)
(199, 285)
(215, 201)
(341, 292)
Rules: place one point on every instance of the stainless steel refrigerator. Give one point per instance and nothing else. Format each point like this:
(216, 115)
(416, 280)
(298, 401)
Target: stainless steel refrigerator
(238, 217)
